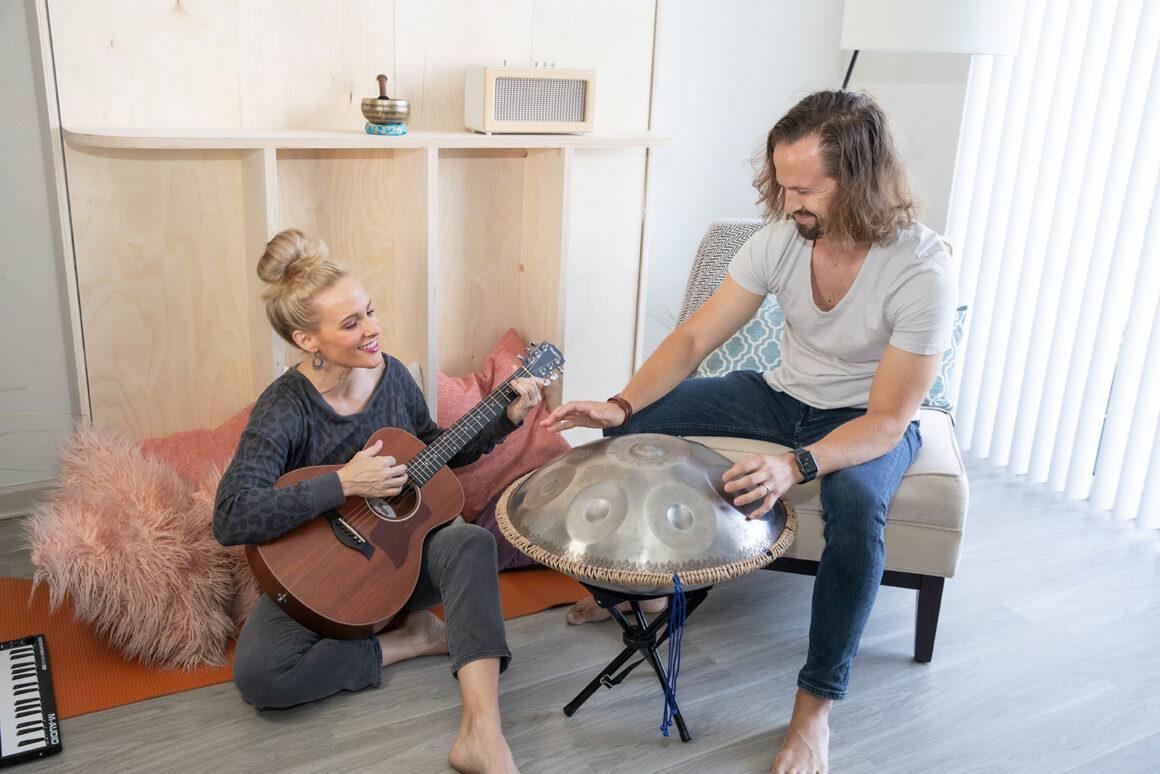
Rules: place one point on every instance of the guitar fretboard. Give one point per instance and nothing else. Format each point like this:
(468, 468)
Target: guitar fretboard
(431, 460)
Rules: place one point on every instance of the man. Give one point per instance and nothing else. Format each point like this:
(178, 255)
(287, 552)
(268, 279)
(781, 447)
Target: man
(868, 295)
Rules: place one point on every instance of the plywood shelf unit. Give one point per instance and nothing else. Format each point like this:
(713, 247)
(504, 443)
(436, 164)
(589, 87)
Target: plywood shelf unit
(457, 237)
(240, 139)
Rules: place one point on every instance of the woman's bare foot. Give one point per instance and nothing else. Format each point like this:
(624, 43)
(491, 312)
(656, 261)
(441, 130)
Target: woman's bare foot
(480, 747)
(418, 633)
(587, 611)
(481, 751)
(806, 749)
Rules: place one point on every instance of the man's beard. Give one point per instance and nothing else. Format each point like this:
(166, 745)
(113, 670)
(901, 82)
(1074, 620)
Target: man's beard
(812, 231)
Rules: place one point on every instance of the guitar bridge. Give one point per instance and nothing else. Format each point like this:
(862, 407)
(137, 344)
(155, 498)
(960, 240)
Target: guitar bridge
(348, 535)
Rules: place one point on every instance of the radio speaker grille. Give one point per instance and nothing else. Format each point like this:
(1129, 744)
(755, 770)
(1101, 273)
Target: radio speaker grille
(547, 100)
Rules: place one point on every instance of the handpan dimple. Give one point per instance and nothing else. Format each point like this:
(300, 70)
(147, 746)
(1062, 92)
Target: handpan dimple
(681, 518)
(547, 488)
(646, 450)
(596, 513)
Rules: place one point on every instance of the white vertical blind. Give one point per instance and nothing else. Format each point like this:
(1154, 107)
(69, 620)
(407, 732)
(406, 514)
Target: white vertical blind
(1123, 277)
(995, 285)
(1073, 105)
(1054, 205)
(1039, 168)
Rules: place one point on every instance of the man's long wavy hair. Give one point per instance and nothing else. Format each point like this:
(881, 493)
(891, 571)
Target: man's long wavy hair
(872, 200)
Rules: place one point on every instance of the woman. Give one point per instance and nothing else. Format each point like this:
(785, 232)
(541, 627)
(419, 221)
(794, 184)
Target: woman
(322, 412)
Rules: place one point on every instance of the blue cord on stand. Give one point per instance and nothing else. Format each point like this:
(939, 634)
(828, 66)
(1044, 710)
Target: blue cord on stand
(676, 629)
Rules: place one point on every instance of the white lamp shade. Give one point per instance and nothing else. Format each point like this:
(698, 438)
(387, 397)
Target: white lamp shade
(946, 26)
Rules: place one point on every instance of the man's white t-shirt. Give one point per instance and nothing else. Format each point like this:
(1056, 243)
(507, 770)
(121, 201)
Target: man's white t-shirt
(904, 295)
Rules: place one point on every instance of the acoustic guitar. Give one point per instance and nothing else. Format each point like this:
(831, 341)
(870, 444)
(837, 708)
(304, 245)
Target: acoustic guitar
(346, 573)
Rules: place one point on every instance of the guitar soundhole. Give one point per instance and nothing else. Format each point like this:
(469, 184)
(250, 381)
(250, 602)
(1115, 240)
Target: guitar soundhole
(398, 508)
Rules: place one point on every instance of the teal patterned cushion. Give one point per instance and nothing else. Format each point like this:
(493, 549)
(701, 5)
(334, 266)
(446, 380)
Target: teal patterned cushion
(939, 395)
(757, 347)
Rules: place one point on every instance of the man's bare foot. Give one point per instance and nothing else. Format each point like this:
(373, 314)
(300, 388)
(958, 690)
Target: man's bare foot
(481, 751)
(806, 749)
(418, 633)
(587, 611)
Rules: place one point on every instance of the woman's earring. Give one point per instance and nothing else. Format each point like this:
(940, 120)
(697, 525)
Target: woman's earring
(317, 363)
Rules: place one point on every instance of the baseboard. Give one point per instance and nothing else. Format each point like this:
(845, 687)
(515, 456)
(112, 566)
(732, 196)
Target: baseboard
(20, 499)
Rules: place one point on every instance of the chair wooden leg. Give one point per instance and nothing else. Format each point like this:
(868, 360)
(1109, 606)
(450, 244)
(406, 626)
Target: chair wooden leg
(930, 589)
(928, 599)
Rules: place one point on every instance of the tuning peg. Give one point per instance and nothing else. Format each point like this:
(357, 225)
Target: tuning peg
(546, 381)
(521, 357)
(535, 343)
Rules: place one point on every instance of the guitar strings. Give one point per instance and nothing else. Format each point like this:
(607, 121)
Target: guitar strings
(427, 462)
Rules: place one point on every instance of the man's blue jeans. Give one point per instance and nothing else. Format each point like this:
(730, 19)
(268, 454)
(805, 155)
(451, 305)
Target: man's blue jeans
(854, 501)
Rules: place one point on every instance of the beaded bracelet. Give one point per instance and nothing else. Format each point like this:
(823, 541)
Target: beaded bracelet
(624, 405)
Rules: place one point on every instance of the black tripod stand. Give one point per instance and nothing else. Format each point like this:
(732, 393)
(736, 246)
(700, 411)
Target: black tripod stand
(639, 637)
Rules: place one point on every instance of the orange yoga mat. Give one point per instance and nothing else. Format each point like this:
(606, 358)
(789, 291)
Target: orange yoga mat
(89, 675)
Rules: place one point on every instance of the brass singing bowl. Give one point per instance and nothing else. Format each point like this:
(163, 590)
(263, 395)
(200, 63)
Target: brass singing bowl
(386, 111)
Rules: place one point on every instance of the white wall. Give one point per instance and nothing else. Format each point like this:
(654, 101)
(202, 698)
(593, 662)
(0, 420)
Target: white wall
(725, 72)
(37, 402)
(924, 95)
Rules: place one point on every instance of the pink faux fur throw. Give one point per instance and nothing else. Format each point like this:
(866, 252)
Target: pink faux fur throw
(130, 541)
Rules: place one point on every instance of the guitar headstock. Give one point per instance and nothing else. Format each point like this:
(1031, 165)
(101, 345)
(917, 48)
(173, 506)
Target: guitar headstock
(543, 361)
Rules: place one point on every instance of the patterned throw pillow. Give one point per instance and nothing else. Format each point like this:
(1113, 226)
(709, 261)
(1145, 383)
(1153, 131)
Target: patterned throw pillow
(757, 347)
(939, 395)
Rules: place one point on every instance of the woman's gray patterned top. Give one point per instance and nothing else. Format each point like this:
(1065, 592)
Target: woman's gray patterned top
(292, 426)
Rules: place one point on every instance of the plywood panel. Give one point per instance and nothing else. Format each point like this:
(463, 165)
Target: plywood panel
(612, 37)
(217, 63)
(542, 247)
(480, 204)
(352, 201)
(411, 285)
(308, 64)
(162, 279)
(260, 206)
(605, 215)
(436, 38)
(122, 63)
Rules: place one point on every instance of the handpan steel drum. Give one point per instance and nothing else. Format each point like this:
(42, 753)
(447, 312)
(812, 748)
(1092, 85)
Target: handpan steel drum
(627, 513)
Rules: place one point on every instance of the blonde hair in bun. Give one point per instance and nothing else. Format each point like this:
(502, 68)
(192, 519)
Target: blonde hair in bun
(296, 269)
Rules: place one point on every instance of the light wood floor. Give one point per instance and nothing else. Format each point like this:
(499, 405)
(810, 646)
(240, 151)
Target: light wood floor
(1047, 660)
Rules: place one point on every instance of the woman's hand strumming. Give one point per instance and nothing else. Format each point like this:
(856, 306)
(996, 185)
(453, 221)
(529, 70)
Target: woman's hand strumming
(372, 476)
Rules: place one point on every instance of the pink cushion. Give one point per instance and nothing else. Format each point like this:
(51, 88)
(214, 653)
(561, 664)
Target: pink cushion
(526, 449)
(193, 452)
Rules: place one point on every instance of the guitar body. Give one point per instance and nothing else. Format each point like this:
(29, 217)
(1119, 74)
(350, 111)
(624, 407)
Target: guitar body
(349, 592)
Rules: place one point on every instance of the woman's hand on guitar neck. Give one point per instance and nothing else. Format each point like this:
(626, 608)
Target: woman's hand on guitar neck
(528, 392)
(371, 476)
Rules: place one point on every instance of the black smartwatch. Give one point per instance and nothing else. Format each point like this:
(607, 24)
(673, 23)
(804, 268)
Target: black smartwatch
(806, 464)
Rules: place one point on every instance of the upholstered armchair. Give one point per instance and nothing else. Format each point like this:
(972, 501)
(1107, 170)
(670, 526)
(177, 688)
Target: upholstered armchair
(924, 526)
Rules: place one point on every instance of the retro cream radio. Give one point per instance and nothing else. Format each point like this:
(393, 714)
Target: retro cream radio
(528, 100)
